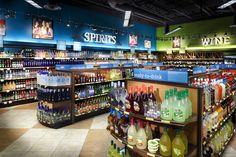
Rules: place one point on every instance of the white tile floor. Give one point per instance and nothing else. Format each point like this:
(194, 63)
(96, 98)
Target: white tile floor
(47, 142)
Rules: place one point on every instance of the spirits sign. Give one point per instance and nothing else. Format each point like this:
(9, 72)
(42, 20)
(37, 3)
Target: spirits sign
(217, 40)
(99, 38)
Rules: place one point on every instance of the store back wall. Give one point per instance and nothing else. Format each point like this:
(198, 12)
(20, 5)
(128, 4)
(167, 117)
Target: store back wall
(191, 33)
(20, 29)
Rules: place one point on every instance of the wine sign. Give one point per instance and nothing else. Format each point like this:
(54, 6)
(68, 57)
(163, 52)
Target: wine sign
(99, 38)
(217, 40)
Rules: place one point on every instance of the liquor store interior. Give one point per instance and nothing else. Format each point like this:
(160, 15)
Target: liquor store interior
(109, 78)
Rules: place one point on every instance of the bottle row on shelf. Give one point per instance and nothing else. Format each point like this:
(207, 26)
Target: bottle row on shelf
(92, 90)
(90, 77)
(165, 142)
(216, 88)
(39, 53)
(17, 96)
(16, 74)
(50, 116)
(176, 106)
(45, 78)
(91, 105)
(18, 85)
(53, 95)
(220, 140)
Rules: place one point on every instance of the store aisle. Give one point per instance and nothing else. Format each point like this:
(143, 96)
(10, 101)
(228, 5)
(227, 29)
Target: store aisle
(22, 136)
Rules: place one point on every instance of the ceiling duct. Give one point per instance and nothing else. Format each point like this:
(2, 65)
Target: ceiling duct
(52, 5)
(120, 6)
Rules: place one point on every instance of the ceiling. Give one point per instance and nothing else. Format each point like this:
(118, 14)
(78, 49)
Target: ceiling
(160, 12)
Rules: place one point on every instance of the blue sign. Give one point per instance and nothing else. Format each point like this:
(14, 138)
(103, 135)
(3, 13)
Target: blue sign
(68, 67)
(130, 65)
(77, 46)
(181, 69)
(61, 45)
(199, 70)
(153, 64)
(214, 67)
(161, 75)
(229, 66)
(109, 65)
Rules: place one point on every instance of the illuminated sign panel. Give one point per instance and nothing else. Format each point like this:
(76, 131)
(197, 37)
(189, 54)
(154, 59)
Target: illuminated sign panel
(99, 38)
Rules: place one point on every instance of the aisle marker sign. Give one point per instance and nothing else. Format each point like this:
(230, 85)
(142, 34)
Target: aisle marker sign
(199, 70)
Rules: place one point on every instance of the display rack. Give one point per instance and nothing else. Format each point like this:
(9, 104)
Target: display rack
(196, 141)
(73, 72)
(49, 107)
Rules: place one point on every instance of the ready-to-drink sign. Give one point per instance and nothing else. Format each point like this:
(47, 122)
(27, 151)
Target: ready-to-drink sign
(214, 67)
(161, 75)
(199, 70)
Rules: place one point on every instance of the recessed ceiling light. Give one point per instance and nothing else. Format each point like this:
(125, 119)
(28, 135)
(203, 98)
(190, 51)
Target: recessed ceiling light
(31, 2)
(225, 5)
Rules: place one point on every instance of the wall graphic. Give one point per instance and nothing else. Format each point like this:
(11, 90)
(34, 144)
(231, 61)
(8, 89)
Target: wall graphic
(42, 28)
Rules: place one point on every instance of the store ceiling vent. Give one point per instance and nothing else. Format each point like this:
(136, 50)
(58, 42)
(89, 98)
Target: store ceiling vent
(234, 24)
(52, 5)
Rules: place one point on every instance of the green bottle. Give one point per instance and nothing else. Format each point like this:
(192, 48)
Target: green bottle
(178, 146)
(165, 144)
(179, 110)
(113, 152)
(166, 107)
(110, 149)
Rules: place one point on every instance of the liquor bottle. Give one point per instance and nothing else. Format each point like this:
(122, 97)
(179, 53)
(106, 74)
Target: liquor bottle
(178, 148)
(129, 101)
(145, 99)
(148, 131)
(132, 133)
(185, 141)
(166, 108)
(138, 103)
(179, 110)
(165, 144)
(189, 103)
(141, 137)
(152, 104)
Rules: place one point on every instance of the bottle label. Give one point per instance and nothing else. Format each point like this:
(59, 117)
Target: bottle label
(127, 104)
(139, 142)
(165, 112)
(178, 113)
(130, 139)
(163, 148)
(136, 107)
(177, 151)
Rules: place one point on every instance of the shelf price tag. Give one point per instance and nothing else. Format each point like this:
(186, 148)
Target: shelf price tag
(8, 69)
(150, 154)
(2, 80)
(9, 102)
(125, 112)
(5, 102)
(131, 147)
(165, 121)
(150, 119)
(7, 91)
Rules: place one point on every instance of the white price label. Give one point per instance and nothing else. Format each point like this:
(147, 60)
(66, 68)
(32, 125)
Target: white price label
(9, 102)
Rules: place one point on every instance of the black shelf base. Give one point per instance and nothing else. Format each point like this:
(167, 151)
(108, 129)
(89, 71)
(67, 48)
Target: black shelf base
(18, 103)
(91, 114)
(58, 125)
